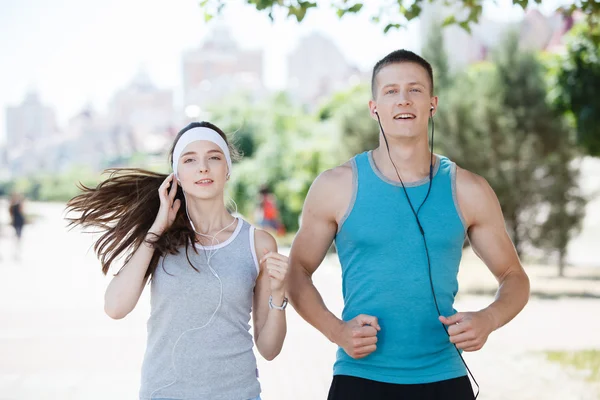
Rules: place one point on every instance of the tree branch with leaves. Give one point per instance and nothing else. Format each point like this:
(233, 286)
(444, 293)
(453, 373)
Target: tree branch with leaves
(392, 14)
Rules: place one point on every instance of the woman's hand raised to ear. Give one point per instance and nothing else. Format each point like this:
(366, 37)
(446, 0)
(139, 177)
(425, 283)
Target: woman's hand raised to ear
(168, 206)
(125, 289)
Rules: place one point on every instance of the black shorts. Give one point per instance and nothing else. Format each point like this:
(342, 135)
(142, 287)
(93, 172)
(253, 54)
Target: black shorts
(346, 387)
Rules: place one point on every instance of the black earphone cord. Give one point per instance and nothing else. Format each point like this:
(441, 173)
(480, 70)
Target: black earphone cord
(416, 214)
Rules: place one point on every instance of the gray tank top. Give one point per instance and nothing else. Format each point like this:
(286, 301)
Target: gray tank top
(193, 352)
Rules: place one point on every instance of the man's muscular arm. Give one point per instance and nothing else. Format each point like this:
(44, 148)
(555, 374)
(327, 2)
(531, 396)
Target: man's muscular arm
(328, 199)
(490, 241)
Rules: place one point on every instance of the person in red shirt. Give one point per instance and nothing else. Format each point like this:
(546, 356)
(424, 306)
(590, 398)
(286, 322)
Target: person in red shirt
(269, 213)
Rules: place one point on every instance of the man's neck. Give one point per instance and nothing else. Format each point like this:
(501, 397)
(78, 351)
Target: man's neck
(412, 159)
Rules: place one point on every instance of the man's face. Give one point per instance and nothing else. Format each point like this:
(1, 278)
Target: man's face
(403, 100)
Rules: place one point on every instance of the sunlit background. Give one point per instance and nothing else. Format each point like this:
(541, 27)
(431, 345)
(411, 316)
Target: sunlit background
(85, 86)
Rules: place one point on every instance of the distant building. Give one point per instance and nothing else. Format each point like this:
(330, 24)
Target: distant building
(219, 68)
(29, 122)
(317, 69)
(144, 113)
(30, 126)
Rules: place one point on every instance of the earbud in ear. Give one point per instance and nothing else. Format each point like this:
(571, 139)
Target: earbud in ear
(432, 108)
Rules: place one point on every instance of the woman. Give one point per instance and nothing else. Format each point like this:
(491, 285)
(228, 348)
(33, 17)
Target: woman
(17, 220)
(206, 275)
(17, 217)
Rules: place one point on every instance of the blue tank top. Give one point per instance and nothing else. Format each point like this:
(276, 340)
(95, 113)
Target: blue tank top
(385, 273)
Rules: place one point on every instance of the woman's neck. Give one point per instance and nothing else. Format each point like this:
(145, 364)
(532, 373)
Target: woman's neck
(208, 216)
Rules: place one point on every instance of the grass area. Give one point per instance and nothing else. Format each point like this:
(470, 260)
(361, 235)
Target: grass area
(287, 239)
(588, 360)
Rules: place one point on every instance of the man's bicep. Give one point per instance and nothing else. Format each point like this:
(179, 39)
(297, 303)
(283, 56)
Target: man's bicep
(488, 236)
(316, 234)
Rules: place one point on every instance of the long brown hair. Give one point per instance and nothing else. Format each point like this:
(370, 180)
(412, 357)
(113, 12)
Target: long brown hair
(124, 206)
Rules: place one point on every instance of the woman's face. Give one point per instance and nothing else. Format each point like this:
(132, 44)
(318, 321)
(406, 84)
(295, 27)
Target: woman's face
(202, 170)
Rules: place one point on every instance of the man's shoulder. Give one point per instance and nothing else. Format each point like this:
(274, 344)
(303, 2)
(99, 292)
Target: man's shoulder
(469, 181)
(473, 190)
(332, 189)
(340, 175)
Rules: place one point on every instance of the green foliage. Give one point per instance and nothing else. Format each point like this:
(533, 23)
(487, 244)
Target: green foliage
(393, 14)
(564, 204)
(46, 187)
(348, 114)
(290, 149)
(576, 77)
(239, 122)
(495, 120)
(434, 52)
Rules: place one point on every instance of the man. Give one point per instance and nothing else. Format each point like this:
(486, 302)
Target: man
(399, 236)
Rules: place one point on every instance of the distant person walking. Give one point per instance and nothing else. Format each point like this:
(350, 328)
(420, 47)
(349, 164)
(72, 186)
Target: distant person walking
(17, 217)
(269, 218)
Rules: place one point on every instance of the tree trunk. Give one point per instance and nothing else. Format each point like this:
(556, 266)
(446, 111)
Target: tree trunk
(561, 262)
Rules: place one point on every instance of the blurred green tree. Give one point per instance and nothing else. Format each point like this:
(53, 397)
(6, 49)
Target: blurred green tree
(290, 149)
(563, 205)
(435, 53)
(52, 187)
(347, 113)
(495, 120)
(575, 81)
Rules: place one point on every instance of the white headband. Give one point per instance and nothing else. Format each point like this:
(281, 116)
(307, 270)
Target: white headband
(200, 133)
